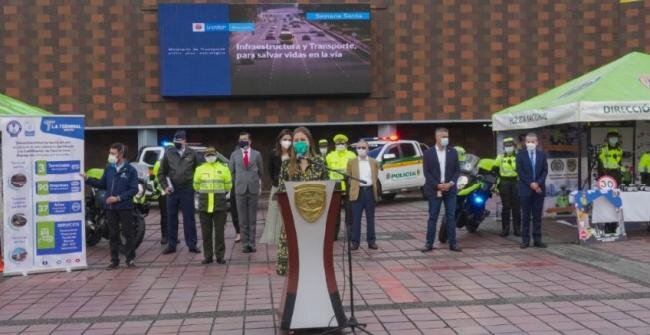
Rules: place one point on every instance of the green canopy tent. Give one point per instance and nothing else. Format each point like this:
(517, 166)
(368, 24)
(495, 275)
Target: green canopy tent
(618, 91)
(10, 106)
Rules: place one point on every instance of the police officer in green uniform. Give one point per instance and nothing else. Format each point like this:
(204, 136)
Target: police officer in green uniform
(323, 147)
(611, 154)
(507, 165)
(644, 168)
(212, 181)
(337, 160)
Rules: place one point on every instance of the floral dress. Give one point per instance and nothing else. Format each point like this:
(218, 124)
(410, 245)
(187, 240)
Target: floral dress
(315, 171)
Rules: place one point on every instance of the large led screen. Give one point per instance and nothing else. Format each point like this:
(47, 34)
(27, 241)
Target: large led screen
(264, 50)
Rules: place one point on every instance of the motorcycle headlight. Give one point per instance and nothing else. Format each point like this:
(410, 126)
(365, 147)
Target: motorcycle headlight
(462, 182)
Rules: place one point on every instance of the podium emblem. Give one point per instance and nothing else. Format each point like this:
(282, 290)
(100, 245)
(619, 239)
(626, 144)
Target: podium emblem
(310, 201)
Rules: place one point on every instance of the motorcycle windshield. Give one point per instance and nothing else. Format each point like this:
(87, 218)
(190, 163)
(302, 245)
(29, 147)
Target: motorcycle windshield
(468, 166)
(142, 169)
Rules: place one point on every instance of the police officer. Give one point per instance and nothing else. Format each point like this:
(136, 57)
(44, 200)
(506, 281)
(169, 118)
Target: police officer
(337, 160)
(644, 168)
(212, 181)
(611, 154)
(507, 166)
(323, 147)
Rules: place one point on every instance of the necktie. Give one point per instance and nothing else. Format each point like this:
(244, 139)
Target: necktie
(246, 159)
(532, 160)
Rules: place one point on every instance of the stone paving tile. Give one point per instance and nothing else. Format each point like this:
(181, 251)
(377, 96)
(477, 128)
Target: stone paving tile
(493, 287)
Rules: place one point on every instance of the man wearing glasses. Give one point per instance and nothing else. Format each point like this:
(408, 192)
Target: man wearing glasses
(363, 197)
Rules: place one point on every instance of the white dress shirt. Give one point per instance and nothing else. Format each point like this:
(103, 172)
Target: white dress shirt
(365, 173)
(442, 159)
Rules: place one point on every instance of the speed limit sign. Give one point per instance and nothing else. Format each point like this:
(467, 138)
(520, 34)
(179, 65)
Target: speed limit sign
(606, 183)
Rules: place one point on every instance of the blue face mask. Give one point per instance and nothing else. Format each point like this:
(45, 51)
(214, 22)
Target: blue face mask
(301, 148)
(444, 141)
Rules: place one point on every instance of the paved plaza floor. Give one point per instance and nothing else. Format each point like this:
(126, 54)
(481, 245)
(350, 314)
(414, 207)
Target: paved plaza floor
(492, 287)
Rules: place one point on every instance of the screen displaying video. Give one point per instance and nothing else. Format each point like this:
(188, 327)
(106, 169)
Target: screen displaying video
(264, 50)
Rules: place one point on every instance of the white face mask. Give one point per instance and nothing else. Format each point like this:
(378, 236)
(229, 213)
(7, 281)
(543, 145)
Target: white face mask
(509, 149)
(112, 159)
(531, 146)
(340, 147)
(613, 141)
(323, 151)
(444, 141)
(362, 153)
(286, 144)
(210, 159)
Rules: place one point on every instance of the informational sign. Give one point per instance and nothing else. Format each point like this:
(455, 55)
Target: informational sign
(43, 195)
(223, 49)
(589, 232)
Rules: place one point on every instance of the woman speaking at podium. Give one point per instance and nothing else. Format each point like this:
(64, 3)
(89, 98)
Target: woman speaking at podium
(303, 165)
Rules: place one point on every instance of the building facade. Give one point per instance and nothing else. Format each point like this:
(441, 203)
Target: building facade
(434, 62)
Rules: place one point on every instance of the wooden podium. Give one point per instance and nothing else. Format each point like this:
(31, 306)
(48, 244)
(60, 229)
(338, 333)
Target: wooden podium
(311, 297)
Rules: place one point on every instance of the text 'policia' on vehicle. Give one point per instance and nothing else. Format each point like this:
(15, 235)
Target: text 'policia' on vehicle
(400, 164)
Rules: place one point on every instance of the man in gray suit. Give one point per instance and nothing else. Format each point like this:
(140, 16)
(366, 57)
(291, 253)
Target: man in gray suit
(246, 167)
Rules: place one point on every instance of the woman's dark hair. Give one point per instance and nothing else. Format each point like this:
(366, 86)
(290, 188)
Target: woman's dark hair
(284, 132)
(121, 148)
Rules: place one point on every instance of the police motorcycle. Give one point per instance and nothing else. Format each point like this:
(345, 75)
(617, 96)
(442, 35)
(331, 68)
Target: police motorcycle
(475, 185)
(96, 223)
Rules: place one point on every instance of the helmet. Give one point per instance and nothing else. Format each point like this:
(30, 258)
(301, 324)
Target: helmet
(340, 138)
(612, 132)
(322, 142)
(508, 140)
(461, 153)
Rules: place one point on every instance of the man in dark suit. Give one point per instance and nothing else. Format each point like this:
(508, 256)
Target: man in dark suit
(246, 165)
(532, 170)
(441, 170)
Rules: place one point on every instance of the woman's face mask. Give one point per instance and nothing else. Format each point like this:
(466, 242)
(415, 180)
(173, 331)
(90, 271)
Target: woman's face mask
(286, 144)
(362, 152)
(301, 147)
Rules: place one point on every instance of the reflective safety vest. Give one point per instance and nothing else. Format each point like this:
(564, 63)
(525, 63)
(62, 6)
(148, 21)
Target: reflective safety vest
(156, 183)
(338, 160)
(644, 163)
(610, 158)
(212, 181)
(507, 165)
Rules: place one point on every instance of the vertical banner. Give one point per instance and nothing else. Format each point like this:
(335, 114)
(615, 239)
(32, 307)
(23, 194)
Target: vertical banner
(43, 194)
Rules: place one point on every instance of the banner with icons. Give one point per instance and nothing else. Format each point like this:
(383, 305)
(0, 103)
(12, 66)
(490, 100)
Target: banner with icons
(43, 194)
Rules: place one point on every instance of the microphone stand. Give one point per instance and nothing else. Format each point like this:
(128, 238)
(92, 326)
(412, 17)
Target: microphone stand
(352, 321)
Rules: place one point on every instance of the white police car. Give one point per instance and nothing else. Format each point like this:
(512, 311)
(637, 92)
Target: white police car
(400, 164)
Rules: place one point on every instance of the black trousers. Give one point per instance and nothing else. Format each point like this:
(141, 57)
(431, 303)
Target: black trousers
(645, 178)
(510, 205)
(162, 204)
(212, 227)
(233, 211)
(531, 205)
(124, 219)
